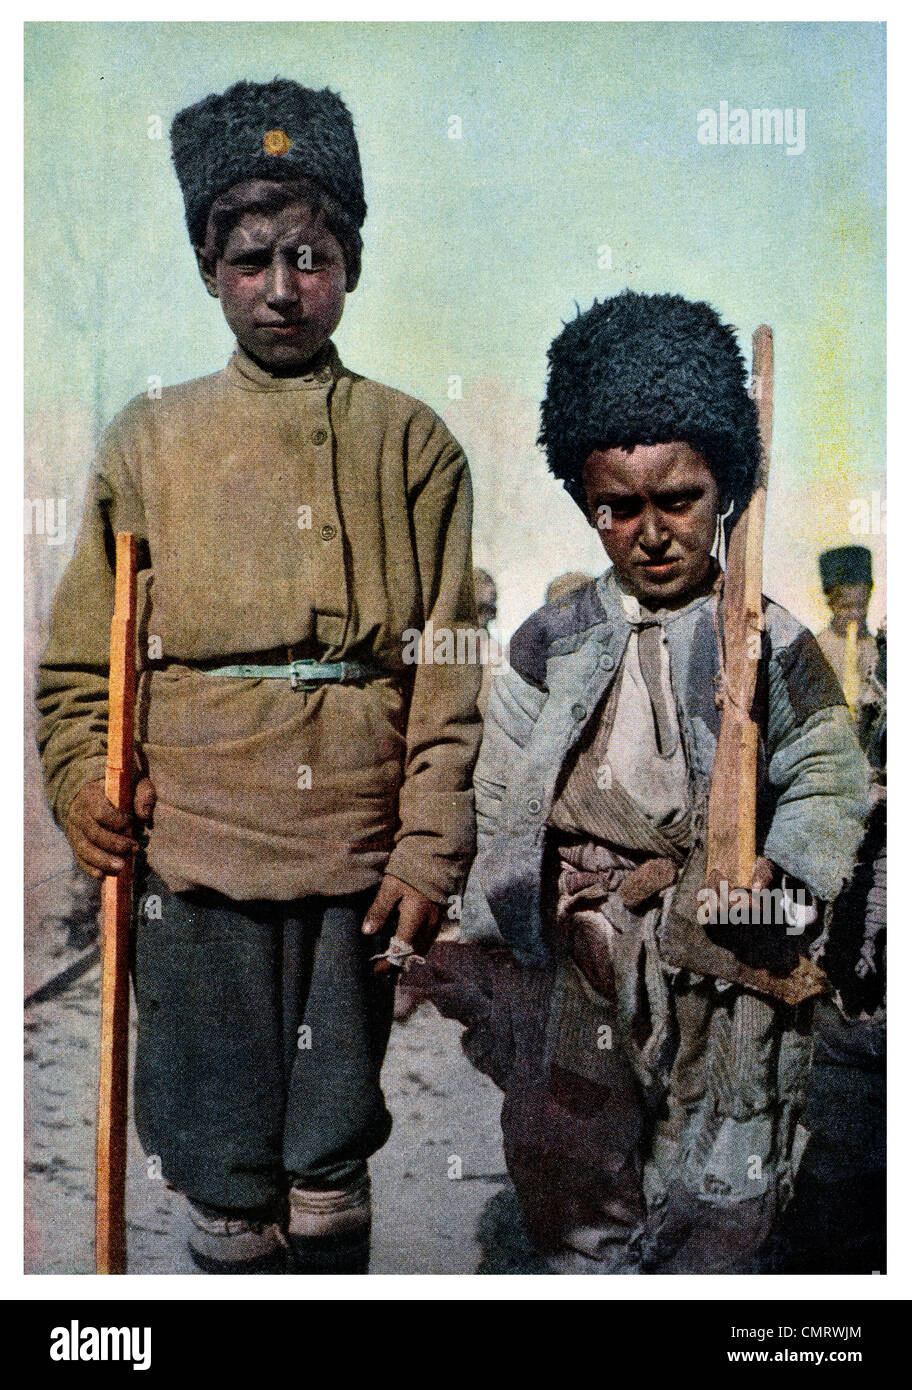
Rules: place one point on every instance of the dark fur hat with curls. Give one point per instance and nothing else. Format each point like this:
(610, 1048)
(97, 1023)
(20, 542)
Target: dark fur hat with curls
(279, 131)
(650, 369)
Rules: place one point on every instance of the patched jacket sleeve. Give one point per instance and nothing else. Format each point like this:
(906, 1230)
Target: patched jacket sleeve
(72, 685)
(436, 803)
(816, 768)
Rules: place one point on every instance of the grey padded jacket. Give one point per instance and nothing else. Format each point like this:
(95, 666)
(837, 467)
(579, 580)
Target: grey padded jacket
(812, 780)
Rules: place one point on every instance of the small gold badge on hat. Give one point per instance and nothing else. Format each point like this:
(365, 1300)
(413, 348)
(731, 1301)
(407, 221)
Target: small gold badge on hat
(276, 142)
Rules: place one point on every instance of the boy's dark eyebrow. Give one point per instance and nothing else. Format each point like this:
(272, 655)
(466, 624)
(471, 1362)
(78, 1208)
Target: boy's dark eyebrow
(617, 498)
(250, 248)
(671, 493)
(252, 245)
(663, 495)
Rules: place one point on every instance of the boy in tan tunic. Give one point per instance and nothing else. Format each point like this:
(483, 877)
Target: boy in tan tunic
(307, 793)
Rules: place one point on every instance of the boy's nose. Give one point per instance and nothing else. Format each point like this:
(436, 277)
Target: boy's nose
(652, 532)
(281, 289)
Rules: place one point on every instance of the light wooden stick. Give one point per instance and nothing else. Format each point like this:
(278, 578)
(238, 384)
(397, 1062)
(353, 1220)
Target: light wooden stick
(732, 826)
(116, 896)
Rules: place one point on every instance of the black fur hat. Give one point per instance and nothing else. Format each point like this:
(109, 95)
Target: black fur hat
(650, 369)
(265, 130)
(846, 564)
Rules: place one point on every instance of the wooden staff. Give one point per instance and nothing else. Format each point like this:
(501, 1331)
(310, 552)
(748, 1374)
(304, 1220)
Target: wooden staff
(116, 896)
(731, 846)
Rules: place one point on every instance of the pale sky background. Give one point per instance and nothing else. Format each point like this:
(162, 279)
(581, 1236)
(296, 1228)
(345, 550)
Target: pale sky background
(574, 137)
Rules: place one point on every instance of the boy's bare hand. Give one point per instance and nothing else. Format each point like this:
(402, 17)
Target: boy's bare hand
(101, 837)
(763, 875)
(418, 921)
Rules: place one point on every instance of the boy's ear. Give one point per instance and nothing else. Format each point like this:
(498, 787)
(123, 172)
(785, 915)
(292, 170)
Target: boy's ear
(207, 272)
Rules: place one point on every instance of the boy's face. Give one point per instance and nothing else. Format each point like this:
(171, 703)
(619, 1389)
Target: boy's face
(849, 603)
(281, 284)
(661, 526)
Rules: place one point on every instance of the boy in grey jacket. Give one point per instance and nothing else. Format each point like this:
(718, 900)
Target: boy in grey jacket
(653, 1055)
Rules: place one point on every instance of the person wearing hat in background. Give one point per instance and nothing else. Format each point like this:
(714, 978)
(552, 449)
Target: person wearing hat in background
(845, 573)
(653, 1061)
(855, 957)
(307, 794)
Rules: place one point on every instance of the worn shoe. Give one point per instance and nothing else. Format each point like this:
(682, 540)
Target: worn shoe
(236, 1242)
(329, 1231)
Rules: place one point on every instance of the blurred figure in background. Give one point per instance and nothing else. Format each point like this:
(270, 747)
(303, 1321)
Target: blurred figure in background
(845, 573)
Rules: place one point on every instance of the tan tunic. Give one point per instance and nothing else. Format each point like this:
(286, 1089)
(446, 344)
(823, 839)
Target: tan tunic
(324, 513)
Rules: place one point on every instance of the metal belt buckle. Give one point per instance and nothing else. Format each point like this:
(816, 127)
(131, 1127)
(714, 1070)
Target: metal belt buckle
(299, 670)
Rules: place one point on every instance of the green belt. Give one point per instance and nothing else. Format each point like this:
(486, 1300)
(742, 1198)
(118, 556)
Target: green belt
(303, 674)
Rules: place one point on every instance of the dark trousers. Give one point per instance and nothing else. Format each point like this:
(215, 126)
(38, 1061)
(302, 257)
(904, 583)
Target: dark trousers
(262, 1031)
